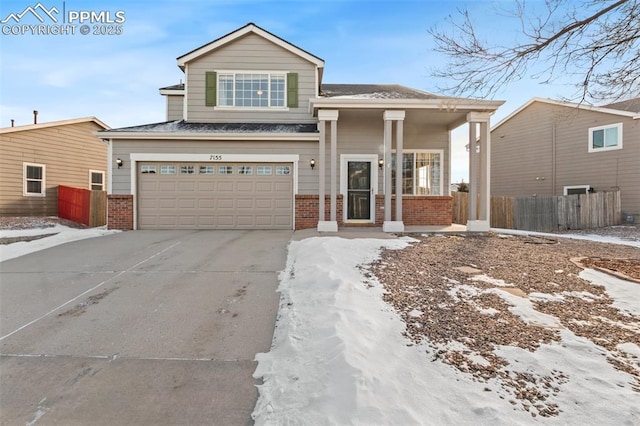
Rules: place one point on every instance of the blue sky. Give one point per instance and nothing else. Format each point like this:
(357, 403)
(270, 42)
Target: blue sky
(116, 77)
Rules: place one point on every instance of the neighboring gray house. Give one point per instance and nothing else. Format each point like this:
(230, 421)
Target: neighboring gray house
(254, 139)
(548, 147)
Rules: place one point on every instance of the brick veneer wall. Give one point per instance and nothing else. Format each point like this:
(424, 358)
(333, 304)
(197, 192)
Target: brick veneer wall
(426, 210)
(417, 210)
(120, 212)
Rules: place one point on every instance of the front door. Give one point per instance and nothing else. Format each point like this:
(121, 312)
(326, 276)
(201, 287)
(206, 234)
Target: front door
(359, 190)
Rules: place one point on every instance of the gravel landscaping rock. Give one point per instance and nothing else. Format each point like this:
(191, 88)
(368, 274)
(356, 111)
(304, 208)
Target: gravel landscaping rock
(463, 316)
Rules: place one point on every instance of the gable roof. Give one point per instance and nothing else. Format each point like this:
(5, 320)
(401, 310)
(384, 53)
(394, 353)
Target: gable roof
(631, 105)
(250, 28)
(605, 109)
(53, 124)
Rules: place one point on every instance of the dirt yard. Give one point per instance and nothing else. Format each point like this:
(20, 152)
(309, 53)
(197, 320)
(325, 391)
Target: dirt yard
(437, 285)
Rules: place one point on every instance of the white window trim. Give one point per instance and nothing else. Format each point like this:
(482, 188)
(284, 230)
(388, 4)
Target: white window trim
(567, 188)
(607, 148)
(427, 151)
(240, 108)
(91, 172)
(43, 187)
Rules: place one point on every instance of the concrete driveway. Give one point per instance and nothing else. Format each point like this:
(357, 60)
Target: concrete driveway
(138, 328)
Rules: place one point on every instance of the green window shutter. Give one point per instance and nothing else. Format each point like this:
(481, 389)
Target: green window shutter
(211, 81)
(292, 90)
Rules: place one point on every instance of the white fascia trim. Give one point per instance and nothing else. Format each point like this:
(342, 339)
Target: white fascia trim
(215, 136)
(633, 115)
(179, 92)
(182, 60)
(453, 105)
(225, 158)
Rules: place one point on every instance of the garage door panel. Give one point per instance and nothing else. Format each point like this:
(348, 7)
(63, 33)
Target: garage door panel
(206, 186)
(225, 203)
(264, 203)
(224, 186)
(167, 186)
(244, 204)
(244, 186)
(264, 186)
(214, 200)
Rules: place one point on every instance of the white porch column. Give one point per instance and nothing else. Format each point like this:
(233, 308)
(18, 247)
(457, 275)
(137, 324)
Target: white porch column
(473, 173)
(322, 127)
(334, 172)
(387, 170)
(479, 173)
(323, 224)
(398, 224)
(485, 172)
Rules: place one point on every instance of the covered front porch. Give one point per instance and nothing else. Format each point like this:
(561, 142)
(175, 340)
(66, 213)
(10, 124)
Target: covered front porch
(359, 176)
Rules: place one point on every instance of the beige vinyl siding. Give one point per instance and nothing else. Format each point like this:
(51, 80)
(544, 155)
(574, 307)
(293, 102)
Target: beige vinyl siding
(523, 150)
(359, 132)
(250, 53)
(362, 132)
(175, 107)
(306, 149)
(67, 151)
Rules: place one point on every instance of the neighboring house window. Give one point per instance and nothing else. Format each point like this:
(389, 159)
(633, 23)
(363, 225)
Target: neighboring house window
(604, 138)
(34, 179)
(576, 189)
(96, 180)
(421, 172)
(253, 90)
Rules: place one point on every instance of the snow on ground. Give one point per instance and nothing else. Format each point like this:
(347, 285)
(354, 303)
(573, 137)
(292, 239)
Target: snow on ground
(339, 356)
(63, 234)
(588, 237)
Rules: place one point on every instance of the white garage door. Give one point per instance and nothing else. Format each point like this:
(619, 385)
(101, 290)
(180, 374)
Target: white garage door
(215, 195)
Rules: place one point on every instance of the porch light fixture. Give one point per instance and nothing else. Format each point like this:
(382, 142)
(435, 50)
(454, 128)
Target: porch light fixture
(380, 163)
(119, 162)
(312, 163)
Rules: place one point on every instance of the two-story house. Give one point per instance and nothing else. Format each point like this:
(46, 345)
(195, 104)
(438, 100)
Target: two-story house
(547, 147)
(255, 140)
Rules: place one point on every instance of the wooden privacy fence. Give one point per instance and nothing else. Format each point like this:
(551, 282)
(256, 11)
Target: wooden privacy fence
(82, 205)
(549, 213)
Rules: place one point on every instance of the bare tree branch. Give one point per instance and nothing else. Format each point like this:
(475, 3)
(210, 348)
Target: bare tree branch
(595, 42)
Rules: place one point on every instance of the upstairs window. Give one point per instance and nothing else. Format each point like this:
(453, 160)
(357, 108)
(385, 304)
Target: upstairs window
(251, 89)
(605, 138)
(33, 180)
